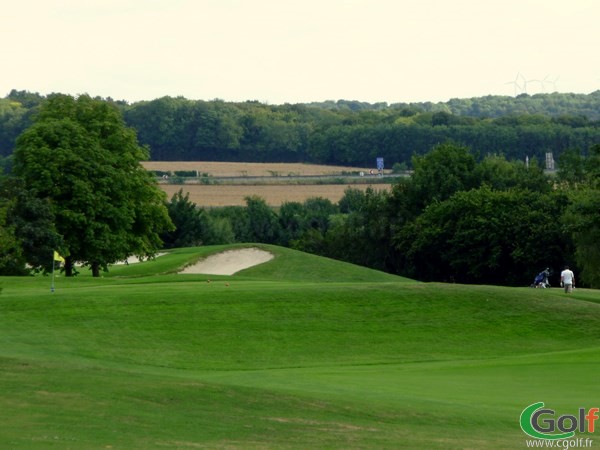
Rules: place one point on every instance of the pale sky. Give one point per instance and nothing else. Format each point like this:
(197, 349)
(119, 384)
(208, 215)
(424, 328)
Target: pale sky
(281, 51)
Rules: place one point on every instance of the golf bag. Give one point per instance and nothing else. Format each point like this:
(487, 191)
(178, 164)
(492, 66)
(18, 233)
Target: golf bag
(541, 279)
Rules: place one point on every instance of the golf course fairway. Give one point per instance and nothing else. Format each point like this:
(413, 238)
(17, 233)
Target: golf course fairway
(298, 352)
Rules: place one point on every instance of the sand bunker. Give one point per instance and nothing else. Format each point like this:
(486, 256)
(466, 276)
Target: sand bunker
(229, 262)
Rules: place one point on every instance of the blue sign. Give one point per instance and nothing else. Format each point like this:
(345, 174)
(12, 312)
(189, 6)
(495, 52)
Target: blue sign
(379, 163)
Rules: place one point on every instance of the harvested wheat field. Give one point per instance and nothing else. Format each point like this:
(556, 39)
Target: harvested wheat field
(233, 195)
(242, 169)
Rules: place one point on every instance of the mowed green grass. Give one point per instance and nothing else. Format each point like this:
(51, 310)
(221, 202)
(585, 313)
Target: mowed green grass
(299, 352)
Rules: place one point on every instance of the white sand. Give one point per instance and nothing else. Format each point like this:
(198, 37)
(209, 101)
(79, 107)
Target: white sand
(229, 262)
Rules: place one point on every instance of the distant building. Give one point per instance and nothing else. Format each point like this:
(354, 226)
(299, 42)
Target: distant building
(549, 161)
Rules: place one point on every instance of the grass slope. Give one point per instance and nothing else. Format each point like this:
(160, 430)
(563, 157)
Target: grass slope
(299, 352)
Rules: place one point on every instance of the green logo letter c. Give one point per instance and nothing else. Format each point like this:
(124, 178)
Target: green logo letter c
(527, 425)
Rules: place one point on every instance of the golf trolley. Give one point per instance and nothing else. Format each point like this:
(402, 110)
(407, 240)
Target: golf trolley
(541, 279)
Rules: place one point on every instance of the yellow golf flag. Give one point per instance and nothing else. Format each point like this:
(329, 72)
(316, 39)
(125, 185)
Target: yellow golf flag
(57, 257)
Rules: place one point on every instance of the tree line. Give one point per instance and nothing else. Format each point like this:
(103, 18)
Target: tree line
(455, 220)
(77, 186)
(343, 132)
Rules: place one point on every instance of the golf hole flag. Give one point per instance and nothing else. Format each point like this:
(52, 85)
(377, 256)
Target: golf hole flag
(57, 257)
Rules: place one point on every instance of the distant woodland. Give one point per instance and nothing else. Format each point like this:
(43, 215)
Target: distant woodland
(343, 132)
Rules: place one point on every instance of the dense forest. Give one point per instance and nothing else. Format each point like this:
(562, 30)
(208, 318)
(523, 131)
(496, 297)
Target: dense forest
(342, 132)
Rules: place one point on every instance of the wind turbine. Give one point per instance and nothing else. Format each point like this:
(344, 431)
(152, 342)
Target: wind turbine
(514, 83)
(519, 87)
(550, 81)
(524, 85)
(540, 82)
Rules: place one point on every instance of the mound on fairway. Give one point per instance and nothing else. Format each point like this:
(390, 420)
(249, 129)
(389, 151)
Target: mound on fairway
(229, 262)
(285, 264)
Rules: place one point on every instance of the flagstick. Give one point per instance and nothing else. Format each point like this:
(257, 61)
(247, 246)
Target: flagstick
(52, 286)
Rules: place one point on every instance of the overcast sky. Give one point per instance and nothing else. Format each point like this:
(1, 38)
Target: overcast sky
(279, 51)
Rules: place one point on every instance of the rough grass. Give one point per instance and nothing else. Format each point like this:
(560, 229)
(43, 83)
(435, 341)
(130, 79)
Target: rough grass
(299, 352)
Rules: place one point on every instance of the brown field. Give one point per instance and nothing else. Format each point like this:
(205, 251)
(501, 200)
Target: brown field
(233, 195)
(241, 169)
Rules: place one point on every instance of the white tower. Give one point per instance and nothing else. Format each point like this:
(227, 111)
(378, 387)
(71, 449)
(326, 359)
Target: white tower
(549, 161)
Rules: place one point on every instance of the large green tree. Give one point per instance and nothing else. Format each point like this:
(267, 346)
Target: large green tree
(363, 235)
(32, 220)
(263, 225)
(81, 157)
(486, 236)
(582, 216)
(446, 169)
(189, 221)
(499, 174)
(12, 261)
